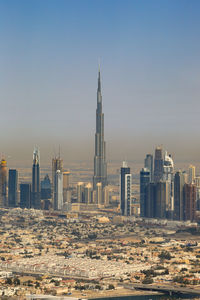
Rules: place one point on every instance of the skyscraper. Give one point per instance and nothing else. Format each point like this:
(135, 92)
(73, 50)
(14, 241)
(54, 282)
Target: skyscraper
(3, 183)
(189, 199)
(100, 166)
(35, 191)
(12, 188)
(148, 164)
(192, 175)
(145, 176)
(58, 200)
(125, 189)
(179, 182)
(158, 165)
(57, 164)
(168, 176)
(25, 195)
(46, 188)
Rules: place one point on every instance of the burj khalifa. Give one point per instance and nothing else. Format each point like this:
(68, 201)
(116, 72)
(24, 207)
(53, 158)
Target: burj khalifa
(100, 166)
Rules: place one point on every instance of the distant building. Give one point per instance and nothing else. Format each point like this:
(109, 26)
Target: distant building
(80, 192)
(58, 200)
(66, 187)
(158, 165)
(57, 164)
(148, 164)
(168, 176)
(99, 194)
(88, 193)
(46, 188)
(12, 188)
(25, 195)
(179, 181)
(189, 196)
(192, 174)
(145, 178)
(150, 200)
(125, 189)
(3, 183)
(162, 196)
(100, 166)
(35, 190)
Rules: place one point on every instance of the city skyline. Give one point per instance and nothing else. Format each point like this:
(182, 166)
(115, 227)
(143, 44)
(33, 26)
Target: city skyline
(150, 67)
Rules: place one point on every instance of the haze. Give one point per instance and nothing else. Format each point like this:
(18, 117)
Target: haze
(150, 65)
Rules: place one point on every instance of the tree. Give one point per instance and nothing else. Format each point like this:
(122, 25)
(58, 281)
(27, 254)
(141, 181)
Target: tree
(8, 281)
(16, 281)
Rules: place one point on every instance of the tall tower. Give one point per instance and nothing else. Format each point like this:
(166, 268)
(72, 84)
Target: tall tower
(100, 166)
(35, 192)
(57, 165)
(148, 163)
(145, 178)
(12, 188)
(158, 165)
(125, 190)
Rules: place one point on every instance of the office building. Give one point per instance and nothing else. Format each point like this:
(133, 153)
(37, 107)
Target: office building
(57, 165)
(191, 174)
(168, 176)
(25, 195)
(12, 188)
(179, 181)
(162, 196)
(88, 193)
(46, 188)
(35, 189)
(100, 166)
(80, 192)
(125, 189)
(3, 183)
(158, 165)
(145, 178)
(189, 199)
(58, 200)
(150, 200)
(99, 194)
(66, 187)
(148, 164)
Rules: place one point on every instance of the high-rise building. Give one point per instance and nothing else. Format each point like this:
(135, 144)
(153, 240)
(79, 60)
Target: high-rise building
(145, 178)
(168, 176)
(46, 188)
(148, 164)
(125, 189)
(179, 181)
(3, 183)
(192, 175)
(189, 196)
(88, 193)
(162, 190)
(99, 194)
(100, 166)
(58, 200)
(150, 200)
(57, 164)
(12, 188)
(25, 195)
(80, 192)
(158, 165)
(35, 190)
(66, 189)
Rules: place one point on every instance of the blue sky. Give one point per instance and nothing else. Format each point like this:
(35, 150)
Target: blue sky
(150, 63)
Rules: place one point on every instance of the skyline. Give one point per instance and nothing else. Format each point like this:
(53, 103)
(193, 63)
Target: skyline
(149, 59)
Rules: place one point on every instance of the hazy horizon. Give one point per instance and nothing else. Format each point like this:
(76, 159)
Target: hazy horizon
(150, 69)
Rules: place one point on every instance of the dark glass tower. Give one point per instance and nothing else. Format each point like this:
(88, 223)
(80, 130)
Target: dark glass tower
(35, 192)
(145, 178)
(179, 181)
(100, 166)
(12, 188)
(25, 195)
(148, 163)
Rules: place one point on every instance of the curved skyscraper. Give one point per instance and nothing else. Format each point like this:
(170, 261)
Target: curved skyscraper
(100, 166)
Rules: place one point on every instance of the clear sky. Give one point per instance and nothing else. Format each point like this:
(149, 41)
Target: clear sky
(150, 64)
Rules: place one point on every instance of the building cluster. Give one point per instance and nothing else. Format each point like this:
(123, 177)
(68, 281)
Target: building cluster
(38, 194)
(165, 193)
